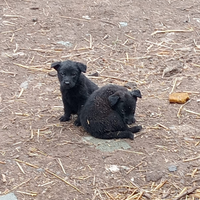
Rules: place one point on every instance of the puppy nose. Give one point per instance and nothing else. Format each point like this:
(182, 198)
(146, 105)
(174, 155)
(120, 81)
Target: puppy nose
(67, 82)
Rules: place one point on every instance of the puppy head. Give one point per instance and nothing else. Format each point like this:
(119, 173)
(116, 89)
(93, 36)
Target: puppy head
(124, 103)
(68, 72)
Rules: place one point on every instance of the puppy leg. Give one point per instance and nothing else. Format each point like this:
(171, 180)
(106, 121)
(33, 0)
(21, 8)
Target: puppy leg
(77, 121)
(117, 134)
(135, 129)
(67, 112)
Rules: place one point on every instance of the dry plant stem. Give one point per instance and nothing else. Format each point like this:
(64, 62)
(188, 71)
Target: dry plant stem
(60, 163)
(179, 111)
(36, 68)
(131, 151)
(28, 193)
(160, 185)
(130, 37)
(162, 126)
(185, 193)
(142, 191)
(119, 79)
(17, 186)
(191, 159)
(169, 31)
(20, 167)
(27, 163)
(174, 85)
(139, 197)
(73, 18)
(4, 72)
(135, 167)
(63, 180)
(192, 112)
(13, 16)
(195, 65)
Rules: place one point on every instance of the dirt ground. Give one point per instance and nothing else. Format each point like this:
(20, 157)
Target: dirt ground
(151, 44)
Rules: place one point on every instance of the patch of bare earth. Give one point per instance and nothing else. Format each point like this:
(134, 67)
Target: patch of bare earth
(152, 44)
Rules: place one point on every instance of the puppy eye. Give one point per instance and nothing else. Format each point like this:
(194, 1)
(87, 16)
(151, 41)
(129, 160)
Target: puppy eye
(73, 74)
(62, 74)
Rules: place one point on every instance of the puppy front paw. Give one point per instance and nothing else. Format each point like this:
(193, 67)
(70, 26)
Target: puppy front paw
(64, 118)
(135, 129)
(77, 122)
(131, 136)
(138, 128)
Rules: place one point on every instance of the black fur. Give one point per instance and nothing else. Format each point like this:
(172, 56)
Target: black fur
(75, 87)
(107, 112)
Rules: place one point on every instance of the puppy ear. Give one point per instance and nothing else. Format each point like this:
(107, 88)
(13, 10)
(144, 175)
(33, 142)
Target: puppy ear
(114, 98)
(55, 65)
(81, 67)
(136, 93)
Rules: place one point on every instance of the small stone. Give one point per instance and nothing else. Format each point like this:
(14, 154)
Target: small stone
(113, 168)
(172, 168)
(123, 24)
(10, 196)
(40, 170)
(52, 73)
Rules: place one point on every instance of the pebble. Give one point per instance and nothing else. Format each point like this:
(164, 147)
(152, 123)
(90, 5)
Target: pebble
(9, 196)
(172, 168)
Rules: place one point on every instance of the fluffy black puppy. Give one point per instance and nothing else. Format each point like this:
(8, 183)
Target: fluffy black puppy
(107, 112)
(75, 87)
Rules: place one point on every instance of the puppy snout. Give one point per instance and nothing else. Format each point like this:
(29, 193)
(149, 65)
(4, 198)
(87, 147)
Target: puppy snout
(130, 120)
(67, 82)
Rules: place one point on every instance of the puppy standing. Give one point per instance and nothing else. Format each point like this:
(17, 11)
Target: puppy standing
(75, 87)
(108, 111)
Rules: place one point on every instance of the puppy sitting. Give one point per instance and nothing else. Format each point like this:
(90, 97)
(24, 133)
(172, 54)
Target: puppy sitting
(108, 111)
(75, 87)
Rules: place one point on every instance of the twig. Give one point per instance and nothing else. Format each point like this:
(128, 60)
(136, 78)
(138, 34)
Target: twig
(192, 112)
(63, 180)
(86, 20)
(195, 65)
(191, 159)
(174, 85)
(137, 58)
(119, 79)
(160, 185)
(135, 167)
(28, 193)
(130, 37)
(17, 186)
(36, 68)
(130, 151)
(181, 107)
(13, 16)
(20, 94)
(169, 31)
(20, 167)
(185, 193)
(21, 161)
(139, 197)
(60, 163)
(162, 126)
(144, 193)
(4, 72)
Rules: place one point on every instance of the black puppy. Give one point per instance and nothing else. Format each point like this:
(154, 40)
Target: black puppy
(75, 87)
(107, 112)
